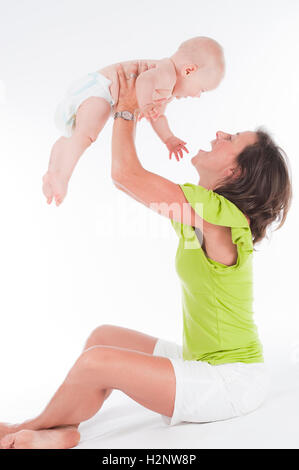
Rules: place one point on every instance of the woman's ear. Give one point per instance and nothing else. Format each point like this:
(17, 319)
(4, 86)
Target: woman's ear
(235, 172)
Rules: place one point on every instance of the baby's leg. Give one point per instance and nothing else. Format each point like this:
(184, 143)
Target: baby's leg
(91, 117)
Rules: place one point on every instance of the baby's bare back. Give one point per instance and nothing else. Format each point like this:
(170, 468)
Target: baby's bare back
(110, 72)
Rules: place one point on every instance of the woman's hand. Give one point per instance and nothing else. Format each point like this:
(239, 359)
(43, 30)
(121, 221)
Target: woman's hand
(127, 100)
(176, 146)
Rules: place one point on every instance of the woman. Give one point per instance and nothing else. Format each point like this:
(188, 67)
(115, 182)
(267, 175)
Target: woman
(219, 371)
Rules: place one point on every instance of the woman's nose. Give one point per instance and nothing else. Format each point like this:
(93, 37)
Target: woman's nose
(221, 135)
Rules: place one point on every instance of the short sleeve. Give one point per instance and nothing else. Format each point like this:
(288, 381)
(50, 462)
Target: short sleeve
(213, 207)
(218, 210)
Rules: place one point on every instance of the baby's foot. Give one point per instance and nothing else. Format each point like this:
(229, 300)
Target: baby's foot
(56, 438)
(54, 186)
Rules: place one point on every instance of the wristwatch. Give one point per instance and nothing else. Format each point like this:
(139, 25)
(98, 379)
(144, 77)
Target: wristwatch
(127, 115)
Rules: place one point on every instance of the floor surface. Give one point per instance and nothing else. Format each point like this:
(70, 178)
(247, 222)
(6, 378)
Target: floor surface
(124, 424)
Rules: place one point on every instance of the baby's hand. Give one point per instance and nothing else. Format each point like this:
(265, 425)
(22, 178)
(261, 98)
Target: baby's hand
(152, 111)
(176, 146)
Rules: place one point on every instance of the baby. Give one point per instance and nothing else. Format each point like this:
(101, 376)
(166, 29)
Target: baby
(197, 66)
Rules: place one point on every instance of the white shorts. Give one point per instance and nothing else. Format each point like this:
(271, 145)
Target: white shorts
(206, 392)
(92, 84)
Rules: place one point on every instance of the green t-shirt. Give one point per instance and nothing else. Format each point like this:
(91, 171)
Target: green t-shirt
(218, 324)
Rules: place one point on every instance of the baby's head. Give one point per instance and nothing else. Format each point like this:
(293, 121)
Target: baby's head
(199, 64)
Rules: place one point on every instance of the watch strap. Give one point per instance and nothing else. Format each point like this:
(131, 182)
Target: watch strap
(127, 115)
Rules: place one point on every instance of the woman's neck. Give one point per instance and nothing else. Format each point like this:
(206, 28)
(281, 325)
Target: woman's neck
(206, 184)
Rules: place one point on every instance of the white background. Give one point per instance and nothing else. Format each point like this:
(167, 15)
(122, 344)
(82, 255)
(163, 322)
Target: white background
(101, 257)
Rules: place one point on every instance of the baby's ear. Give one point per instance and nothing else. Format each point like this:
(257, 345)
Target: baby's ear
(190, 68)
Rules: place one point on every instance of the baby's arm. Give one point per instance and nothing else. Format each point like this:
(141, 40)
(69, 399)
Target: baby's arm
(145, 85)
(173, 143)
(154, 91)
(161, 128)
(154, 86)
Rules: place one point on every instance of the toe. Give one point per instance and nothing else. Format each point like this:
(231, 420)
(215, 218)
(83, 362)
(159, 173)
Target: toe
(58, 200)
(7, 441)
(47, 190)
(23, 439)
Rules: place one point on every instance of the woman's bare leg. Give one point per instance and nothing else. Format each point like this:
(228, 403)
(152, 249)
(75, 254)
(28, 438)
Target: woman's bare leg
(120, 337)
(103, 335)
(91, 117)
(147, 379)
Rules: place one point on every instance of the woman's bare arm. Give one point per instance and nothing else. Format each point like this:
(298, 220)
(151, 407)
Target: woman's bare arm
(154, 191)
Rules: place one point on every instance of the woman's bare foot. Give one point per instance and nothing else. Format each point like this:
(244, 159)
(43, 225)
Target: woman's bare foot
(54, 186)
(6, 428)
(55, 438)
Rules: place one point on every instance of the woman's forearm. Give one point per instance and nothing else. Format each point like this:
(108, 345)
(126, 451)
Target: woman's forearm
(125, 160)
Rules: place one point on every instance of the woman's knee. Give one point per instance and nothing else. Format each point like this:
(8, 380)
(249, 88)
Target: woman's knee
(87, 366)
(98, 336)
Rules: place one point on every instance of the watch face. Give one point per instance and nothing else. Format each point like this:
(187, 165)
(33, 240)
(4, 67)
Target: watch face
(127, 114)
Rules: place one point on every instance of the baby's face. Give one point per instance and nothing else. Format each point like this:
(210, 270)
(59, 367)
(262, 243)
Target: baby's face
(195, 83)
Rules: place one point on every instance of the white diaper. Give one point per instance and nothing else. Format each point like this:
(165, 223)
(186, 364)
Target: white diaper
(206, 392)
(92, 84)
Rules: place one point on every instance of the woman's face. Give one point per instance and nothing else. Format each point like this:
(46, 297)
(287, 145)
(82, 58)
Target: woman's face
(220, 161)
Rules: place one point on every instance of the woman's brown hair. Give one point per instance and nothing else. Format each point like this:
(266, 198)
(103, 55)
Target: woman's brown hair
(262, 189)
